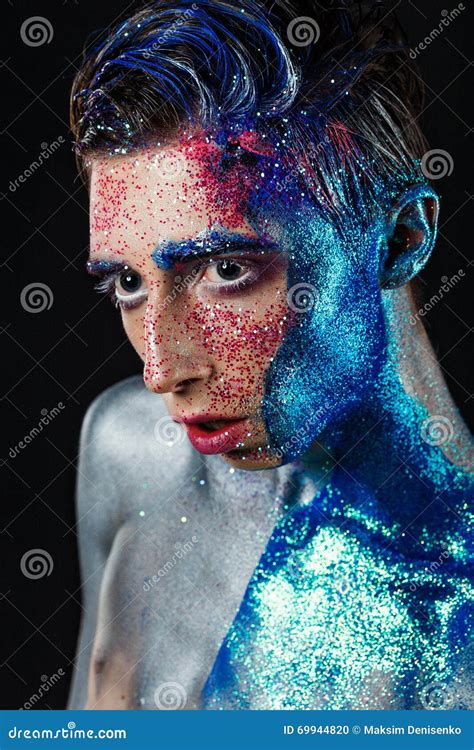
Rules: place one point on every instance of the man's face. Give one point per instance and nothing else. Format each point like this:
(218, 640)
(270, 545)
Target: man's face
(253, 317)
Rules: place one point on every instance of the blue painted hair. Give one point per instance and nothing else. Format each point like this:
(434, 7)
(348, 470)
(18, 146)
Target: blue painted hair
(334, 92)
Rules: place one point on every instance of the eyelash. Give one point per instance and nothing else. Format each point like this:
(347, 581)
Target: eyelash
(231, 287)
(107, 284)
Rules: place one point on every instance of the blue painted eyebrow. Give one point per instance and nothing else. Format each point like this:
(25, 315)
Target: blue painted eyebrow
(208, 244)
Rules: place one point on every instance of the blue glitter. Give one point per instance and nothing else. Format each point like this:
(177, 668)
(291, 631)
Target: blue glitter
(208, 243)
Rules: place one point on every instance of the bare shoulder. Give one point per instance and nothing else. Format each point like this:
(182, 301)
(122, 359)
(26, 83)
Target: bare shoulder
(130, 451)
(120, 408)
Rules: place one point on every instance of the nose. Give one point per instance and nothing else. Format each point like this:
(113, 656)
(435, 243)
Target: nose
(172, 363)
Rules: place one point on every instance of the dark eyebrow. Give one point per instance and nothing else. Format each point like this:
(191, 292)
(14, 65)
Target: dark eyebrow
(208, 244)
(104, 267)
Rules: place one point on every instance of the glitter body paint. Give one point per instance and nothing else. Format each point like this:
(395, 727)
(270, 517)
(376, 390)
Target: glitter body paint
(352, 585)
(363, 597)
(337, 617)
(348, 607)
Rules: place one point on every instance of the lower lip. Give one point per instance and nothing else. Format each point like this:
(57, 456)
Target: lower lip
(225, 439)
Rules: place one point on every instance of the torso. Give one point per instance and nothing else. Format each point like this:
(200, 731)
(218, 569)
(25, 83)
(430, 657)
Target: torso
(189, 619)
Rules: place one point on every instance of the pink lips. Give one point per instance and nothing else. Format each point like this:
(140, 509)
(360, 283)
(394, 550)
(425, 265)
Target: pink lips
(221, 440)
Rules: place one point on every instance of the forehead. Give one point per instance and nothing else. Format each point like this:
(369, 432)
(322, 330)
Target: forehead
(164, 194)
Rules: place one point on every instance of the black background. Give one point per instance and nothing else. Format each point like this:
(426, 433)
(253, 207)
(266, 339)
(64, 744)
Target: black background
(74, 350)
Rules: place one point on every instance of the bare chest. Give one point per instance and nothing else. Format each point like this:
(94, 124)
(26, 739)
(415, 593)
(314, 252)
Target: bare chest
(173, 583)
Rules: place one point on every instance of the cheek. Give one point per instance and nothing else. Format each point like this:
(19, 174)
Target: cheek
(242, 341)
(134, 326)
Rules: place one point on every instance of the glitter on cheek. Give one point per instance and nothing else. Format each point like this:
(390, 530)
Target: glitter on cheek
(339, 611)
(225, 345)
(235, 343)
(338, 308)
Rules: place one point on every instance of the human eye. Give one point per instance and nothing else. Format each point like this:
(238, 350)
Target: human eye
(122, 284)
(130, 289)
(229, 275)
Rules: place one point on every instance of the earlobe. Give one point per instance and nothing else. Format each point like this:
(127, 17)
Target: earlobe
(410, 236)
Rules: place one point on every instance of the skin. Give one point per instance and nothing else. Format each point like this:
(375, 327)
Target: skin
(206, 350)
(199, 364)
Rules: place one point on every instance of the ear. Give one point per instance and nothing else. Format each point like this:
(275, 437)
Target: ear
(410, 236)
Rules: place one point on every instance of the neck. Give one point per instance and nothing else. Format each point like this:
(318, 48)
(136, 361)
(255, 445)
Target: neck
(405, 445)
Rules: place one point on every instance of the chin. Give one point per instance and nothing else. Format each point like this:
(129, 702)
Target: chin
(252, 459)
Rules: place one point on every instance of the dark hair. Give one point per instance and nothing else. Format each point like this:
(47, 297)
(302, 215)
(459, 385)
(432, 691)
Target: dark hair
(332, 80)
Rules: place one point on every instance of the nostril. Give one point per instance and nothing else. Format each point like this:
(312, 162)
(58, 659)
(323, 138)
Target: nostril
(184, 384)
